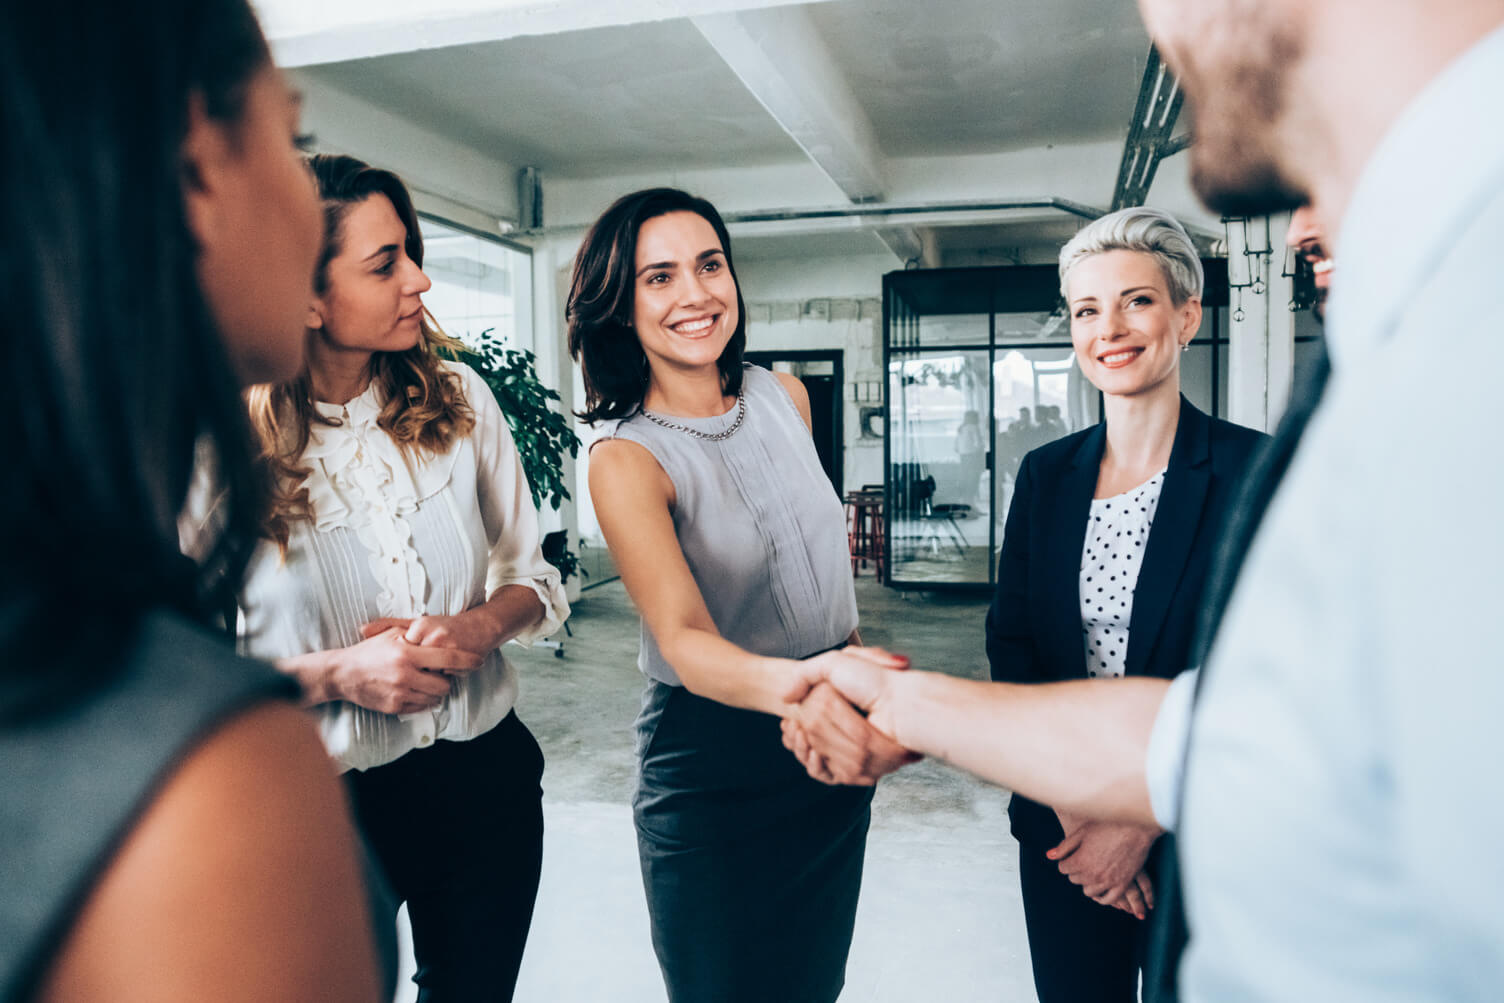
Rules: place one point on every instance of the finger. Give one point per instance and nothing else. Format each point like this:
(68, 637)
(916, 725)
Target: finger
(1067, 846)
(1135, 901)
(837, 732)
(828, 719)
(795, 740)
(443, 659)
(819, 769)
(425, 630)
(877, 656)
(414, 701)
(836, 712)
(385, 623)
(430, 685)
(1146, 888)
(858, 681)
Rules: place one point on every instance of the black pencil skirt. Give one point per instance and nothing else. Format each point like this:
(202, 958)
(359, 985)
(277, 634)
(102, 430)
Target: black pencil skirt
(752, 869)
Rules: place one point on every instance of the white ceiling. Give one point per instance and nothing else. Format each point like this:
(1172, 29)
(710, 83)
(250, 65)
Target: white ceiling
(955, 99)
(588, 103)
(978, 76)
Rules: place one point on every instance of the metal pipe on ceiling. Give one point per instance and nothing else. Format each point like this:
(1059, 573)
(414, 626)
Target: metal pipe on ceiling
(859, 212)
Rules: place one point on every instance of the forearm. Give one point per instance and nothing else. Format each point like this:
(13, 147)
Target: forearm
(509, 612)
(712, 667)
(1077, 746)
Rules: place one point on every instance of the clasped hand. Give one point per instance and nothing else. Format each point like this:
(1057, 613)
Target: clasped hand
(406, 665)
(836, 742)
(1107, 860)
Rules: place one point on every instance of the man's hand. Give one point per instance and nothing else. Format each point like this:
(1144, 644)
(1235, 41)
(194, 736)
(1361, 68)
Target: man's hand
(836, 744)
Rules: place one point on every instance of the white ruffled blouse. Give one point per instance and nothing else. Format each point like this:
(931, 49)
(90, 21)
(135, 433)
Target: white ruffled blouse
(399, 534)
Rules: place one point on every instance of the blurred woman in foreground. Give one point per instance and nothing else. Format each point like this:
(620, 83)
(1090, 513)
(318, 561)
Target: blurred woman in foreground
(171, 828)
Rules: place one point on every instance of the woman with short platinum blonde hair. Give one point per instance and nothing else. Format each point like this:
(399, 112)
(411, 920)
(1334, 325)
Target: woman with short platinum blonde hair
(1104, 559)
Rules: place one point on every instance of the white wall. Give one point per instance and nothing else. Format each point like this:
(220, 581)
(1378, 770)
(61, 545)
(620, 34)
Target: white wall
(448, 179)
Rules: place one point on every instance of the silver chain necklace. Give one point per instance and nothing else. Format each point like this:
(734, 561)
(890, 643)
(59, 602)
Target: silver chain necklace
(741, 414)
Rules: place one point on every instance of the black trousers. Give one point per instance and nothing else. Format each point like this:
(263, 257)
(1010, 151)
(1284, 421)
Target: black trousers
(458, 831)
(752, 869)
(1082, 952)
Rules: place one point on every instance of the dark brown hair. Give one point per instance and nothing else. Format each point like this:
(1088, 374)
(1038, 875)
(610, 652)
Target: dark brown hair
(115, 367)
(424, 406)
(599, 311)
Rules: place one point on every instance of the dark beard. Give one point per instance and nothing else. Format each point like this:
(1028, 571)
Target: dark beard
(1257, 191)
(1235, 166)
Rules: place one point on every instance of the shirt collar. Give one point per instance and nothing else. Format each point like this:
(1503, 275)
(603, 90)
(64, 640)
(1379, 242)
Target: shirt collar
(1435, 166)
(362, 410)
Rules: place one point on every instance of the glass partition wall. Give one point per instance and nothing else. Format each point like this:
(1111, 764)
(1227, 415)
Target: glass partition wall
(980, 370)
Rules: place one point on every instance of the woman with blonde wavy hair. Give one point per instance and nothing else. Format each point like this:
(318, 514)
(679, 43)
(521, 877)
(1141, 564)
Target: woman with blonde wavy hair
(401, 552)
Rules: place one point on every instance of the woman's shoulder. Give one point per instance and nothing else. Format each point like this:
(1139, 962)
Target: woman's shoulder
(472, 384)
(251, 798)
(114, 748)
(1232, 439)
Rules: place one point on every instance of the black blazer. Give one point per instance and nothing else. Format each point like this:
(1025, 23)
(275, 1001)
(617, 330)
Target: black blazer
(1034, 625)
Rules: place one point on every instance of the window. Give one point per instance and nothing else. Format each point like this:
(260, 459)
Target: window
(479, 284)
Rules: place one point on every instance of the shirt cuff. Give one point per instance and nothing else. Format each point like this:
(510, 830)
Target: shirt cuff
(550, 592)
(1164, 766)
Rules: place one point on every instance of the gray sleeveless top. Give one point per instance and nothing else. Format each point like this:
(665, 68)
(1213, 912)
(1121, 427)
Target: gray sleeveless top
(74, 781)
(760, 526)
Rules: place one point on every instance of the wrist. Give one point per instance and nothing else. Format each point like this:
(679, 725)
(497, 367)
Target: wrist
(492, 622)
(314, 673)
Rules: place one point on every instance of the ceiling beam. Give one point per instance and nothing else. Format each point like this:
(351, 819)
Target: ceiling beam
(1150, 133)
(779, 56)
(329, 31)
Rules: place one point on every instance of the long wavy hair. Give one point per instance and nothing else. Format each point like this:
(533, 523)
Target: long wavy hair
(424, 406)
(115, 367)
(601, 298)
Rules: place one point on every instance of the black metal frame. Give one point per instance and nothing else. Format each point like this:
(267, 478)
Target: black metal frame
(838, 409)
(994, 290)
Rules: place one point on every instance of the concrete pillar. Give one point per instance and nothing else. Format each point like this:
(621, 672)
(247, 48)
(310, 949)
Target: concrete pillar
(556, 370)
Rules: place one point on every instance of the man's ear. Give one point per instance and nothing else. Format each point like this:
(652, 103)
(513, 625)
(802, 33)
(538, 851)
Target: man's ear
(205, 154)
(315, 318)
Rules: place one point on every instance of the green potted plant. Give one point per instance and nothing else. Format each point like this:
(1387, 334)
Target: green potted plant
(542, 434)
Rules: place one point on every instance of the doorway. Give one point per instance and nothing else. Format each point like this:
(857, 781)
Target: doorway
(821, 373)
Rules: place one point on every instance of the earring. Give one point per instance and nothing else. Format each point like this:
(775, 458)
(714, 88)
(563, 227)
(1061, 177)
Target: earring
(1186, 347)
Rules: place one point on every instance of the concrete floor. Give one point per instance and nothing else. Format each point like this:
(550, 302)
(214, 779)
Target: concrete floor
(940, 917)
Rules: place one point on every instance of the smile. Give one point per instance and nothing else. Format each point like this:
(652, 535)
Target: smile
(697, 326)
(1116, 359)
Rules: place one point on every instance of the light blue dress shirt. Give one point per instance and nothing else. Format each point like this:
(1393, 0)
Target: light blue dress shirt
(1343, 821)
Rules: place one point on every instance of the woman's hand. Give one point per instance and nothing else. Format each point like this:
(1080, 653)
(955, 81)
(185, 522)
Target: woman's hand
(389, 674)
(474, 631)
(1107, 860)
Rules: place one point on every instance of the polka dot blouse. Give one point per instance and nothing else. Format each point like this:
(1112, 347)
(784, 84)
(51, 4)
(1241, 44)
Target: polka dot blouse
(1117, 531)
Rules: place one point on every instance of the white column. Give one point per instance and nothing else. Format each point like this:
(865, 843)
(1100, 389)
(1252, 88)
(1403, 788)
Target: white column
(556, 370)
(1261, 331)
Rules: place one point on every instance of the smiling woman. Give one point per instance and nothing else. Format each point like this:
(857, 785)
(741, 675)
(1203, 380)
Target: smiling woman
(732, 544)
(1107, 546)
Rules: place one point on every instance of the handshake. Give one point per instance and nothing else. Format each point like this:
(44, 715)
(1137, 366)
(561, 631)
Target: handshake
(840, 721)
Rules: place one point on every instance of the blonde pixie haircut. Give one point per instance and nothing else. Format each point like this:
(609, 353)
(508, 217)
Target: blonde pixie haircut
(1148, 231)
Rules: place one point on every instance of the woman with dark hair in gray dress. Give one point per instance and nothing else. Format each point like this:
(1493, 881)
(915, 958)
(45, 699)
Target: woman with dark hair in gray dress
(732, 543)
